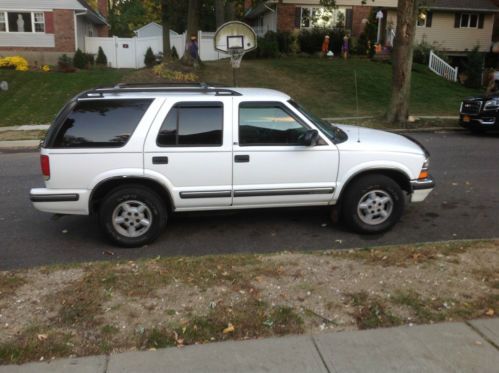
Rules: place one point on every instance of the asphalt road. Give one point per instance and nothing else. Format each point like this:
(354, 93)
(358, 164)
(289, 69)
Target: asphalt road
(465, 205)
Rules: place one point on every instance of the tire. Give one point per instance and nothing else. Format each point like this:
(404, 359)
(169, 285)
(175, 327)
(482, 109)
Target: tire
(372, 204)
(124, 212)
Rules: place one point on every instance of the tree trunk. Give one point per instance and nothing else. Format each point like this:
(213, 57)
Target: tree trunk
(220, 12)
(230, 7)
(192, 30)
(165, 21)
(407, 13)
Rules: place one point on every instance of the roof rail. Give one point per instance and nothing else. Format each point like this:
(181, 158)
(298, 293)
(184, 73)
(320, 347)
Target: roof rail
(160, 87)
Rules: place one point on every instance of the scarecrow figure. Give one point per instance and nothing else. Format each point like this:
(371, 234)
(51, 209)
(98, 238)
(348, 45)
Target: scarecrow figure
(325, 46)
(345, 47)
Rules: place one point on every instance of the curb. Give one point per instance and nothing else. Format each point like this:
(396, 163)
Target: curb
(26, 127)
(20, 145)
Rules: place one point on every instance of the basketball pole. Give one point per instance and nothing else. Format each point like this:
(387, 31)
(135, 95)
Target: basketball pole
(234, 76)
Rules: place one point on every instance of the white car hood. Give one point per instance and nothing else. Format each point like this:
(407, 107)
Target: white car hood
(368, 139)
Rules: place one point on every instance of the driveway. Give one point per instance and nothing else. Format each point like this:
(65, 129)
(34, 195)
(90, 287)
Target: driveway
(465, 205)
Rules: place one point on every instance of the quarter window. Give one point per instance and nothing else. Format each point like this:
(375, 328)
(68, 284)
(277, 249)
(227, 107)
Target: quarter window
(101, 123)
(192, 124)
(268, 125)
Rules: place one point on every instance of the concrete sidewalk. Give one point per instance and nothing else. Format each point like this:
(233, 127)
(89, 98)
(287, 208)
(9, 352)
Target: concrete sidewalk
(449, 347)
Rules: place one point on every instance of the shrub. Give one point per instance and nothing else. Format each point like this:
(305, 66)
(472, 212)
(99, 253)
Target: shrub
(79, 60)
(149, 58)
(367, 38)
(174, 53)
(268, 47)
(311, 40)
(164, 72)
(65, 64)
(284, 42)
(101, 58)
(15, 62)
(90, 59)
(473, 67)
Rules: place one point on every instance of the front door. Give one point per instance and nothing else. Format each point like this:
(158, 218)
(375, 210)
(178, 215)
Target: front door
(190, 149)
(271, 167)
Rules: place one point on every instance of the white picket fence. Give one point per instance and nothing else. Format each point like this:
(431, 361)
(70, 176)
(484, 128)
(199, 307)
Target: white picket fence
(130, 52)
(442, 68)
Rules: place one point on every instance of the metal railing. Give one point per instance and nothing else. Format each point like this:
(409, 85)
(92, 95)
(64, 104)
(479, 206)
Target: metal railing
(442, 68)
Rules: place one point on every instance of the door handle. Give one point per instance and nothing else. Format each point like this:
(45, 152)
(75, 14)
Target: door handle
(242, 158)
(160, 160)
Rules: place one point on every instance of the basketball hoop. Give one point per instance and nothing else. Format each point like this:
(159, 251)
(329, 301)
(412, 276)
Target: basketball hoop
(235, 39)
(236, 56)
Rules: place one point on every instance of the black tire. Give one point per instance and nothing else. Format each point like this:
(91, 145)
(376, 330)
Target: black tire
(134, 196)
(381, 187)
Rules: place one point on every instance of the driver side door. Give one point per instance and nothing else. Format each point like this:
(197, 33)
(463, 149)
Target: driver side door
(270, 165)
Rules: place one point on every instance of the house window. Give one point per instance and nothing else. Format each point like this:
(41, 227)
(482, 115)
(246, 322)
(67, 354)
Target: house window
(22, 22)
(322, 17)
(3, 22)
(19, 22)
(39, 21)
(469, 20)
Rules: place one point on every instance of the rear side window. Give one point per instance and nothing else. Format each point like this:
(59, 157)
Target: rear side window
(192, 124)
(101, 123)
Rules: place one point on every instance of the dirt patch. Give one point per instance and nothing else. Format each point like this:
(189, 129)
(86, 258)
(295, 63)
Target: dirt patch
(104, 307)
(22, 135)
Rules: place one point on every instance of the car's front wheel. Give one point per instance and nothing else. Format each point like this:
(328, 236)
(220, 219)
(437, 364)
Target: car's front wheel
(372, 204)
(132, 216)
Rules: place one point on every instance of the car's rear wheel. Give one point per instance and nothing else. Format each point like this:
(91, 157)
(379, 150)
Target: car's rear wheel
(372, 204)
(132, 216)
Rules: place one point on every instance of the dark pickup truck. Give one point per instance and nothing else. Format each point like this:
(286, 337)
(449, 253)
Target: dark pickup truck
(480, 114)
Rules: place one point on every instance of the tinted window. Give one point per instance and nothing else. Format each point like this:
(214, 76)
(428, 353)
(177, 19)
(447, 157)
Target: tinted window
(101, 123)
(192, 125)
(268, 125)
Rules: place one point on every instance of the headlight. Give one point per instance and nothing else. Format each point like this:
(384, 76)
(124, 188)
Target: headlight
(426, 164)
(492, 104)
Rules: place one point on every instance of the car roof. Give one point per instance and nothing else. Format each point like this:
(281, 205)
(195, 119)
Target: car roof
(184, 90)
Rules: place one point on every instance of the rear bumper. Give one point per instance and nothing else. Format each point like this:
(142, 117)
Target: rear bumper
(421, 189)
(60, 201)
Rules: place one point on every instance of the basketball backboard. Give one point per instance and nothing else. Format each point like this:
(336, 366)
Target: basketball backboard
(235, 35)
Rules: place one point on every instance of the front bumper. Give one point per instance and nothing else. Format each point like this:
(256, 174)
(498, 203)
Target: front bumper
(479, 121)
(421, 189)
(60, 201)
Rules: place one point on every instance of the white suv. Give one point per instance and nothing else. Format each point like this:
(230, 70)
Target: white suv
(134, 154)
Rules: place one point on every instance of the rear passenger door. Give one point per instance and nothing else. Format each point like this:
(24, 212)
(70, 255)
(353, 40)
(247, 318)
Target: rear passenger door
(189, 147)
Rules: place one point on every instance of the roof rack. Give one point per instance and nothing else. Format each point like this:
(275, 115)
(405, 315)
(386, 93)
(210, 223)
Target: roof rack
(160, 87)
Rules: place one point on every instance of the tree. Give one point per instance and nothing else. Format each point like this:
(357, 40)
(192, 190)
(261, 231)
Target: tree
(192, 29)
(219, 12)
(403, 50)
(165, 21)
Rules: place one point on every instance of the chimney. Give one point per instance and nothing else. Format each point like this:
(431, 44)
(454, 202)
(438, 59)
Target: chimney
(102, 7)
(248, 4)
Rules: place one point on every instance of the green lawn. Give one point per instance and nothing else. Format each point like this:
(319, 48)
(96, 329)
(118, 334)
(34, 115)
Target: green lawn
(324, 86)
(35, 97)
(327, 86)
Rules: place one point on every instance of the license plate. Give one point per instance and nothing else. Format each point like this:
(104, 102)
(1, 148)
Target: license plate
(466, 118)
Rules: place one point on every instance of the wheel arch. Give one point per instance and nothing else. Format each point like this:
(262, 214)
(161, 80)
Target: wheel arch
(105, 186)
(399, 176)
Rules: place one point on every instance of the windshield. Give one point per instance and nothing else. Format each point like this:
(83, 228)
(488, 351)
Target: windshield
(332, 132)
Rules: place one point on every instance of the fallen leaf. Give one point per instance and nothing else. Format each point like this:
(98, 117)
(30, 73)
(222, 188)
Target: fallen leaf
(490, 312)
(229, 329)
(42, 337)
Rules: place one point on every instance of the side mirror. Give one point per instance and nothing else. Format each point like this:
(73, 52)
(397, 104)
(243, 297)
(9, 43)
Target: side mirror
(310, 138)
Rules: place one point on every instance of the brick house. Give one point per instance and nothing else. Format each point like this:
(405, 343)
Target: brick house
(453, 26)
(41, 31)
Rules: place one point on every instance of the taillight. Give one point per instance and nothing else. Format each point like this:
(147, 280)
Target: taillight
(45, 163)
